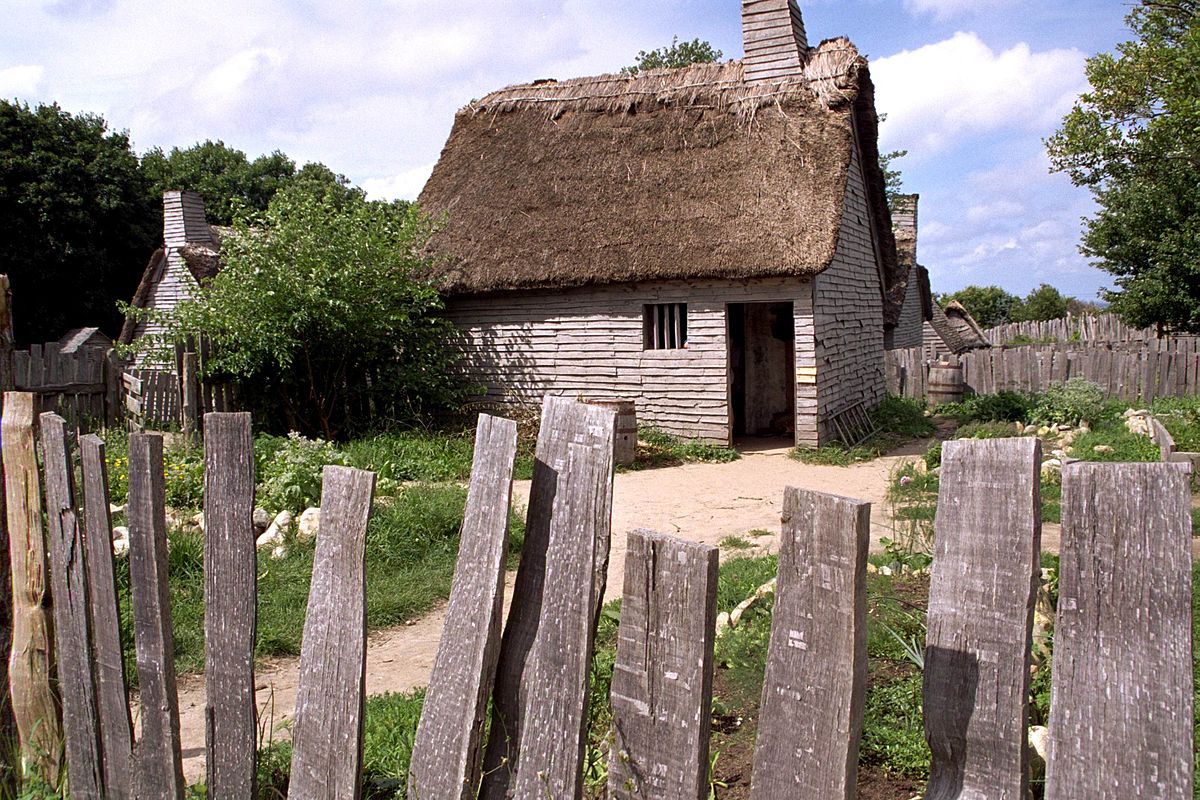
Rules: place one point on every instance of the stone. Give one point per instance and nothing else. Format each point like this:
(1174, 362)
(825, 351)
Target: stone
(262, 518)
(279, 552)
(1102, 448)
(1052, 465)
(1039, 738)
(198, 521)
(283, 520)
(1029, 430)
(115, 509)
(1043, 431)
(308, 525)
(272, 537)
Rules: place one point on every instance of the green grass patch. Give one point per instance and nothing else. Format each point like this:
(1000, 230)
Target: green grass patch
(657, 448)
(735, 543)
(898, 420)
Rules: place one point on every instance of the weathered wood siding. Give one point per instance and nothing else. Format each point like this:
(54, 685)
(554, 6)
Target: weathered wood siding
(522, 345)
(848, 312)
(909, 330)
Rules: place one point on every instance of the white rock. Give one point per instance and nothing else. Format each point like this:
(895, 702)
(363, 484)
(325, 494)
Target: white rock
(885, 570)
(198, 521)
(283, 520)
(279, 552)
(1029, 430)
(1051, 465)
(1129, 412)
(1043, 431)
(120, 532)
(262, 518)
(871, 568)
(113, 508)
(1039, 739)
(309, 524)
(120, 547)
(1102, 448)
(272, 537)
(722, 622)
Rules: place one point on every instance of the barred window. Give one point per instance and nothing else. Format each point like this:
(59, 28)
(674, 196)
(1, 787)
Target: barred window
(664, 326)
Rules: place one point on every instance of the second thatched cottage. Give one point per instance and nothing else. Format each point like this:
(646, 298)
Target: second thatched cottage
(712, 242)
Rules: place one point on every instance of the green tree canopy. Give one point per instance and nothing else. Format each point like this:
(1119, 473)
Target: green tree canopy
(229, 181)
(679, 54)
(319, 310)
(989, 305)
(1134, 141)
(76, 220)
(1041, 304)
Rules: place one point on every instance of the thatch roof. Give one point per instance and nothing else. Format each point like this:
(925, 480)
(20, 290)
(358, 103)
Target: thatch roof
(957, 328)
(670, 174)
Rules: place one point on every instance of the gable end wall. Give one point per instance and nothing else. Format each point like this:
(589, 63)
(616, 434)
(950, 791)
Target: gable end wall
(908, 330)
(170, 288)
(848, 313)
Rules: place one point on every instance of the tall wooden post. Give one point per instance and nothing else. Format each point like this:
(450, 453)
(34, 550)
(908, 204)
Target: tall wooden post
(189, 406)
(8, 725)
(32, 659)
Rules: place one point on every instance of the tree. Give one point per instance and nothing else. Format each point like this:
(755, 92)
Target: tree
(224, 177)
(76, 222)
(1134, 142)
(679, 54)
(989, 305)
(1041, 304)
(320, 312)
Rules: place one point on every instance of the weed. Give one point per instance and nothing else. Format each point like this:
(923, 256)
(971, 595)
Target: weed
(658, 448)
(897, 419)
(987, 430)
(999, 407)
(735, 543)
(1077, 399)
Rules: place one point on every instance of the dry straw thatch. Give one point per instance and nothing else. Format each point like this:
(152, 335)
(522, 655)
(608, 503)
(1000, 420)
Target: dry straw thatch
(668, 175)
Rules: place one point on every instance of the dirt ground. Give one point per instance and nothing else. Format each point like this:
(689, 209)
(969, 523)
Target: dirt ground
(703, 502)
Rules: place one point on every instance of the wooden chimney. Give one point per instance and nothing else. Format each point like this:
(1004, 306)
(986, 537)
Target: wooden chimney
(774, 39)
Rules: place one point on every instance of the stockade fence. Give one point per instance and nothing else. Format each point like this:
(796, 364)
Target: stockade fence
(156, 398)
(1121, 720)
(1131, 373)
(1085, 329)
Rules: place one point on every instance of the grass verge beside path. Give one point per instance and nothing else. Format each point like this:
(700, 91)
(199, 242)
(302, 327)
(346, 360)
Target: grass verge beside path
(898, 419)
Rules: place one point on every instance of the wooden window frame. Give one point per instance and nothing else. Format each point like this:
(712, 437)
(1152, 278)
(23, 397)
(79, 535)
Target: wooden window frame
(664, 326)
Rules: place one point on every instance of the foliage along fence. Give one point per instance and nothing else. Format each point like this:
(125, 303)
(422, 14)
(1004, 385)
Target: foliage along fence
(1120, 726)
(1085, 328)
(160, 398)
(1130, 372)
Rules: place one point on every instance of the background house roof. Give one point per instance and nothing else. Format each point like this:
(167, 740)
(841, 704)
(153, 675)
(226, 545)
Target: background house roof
(670, 174)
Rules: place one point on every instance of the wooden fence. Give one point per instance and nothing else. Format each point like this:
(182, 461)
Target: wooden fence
(1120, 726)
(82, 386)
(1130, 372)
(158, 398)
(1083, 328)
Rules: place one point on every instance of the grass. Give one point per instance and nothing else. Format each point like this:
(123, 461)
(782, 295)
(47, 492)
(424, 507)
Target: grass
(412, 545)
(658, 448)
(897, 419)
(734, 543)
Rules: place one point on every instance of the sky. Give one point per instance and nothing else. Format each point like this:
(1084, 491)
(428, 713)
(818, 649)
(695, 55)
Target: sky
(971, 88)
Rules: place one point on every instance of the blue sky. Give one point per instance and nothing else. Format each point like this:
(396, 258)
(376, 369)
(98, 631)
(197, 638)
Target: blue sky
(370, 87)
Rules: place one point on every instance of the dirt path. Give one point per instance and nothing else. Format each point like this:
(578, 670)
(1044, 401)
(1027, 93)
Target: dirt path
(704, 502)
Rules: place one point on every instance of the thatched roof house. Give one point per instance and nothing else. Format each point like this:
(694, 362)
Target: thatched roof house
(189, 257)
(955, 329)
(712, 241)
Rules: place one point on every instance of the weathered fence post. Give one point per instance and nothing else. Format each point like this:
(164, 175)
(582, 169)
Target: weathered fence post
(327, 735)
(555, 707)
(112, 388)
(662, 680)
(815, 686)
(72, 624)
(563, 422)
(8, 725)
(230, 605)
(189, 402)
(159, 763)
(1121, 722)
(986, 568)
(32, 657)
(112, 701)
(445, 759)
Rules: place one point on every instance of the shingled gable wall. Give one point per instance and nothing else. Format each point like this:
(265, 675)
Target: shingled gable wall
(908, 330)
(848, 313)
(183, 223)
(588, 342)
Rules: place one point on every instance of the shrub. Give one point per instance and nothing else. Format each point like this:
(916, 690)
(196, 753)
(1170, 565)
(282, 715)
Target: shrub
(986, 430)
(289, 471)
(902, 417)
(999, 407)
(1077, 399)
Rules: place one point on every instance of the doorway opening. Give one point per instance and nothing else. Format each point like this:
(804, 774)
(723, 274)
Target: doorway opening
(762, 369)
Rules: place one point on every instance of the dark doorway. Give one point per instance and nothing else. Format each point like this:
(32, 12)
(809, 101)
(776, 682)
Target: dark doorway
(762, 367)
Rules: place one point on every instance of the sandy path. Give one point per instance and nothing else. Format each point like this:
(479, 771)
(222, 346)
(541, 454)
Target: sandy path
(703, 502)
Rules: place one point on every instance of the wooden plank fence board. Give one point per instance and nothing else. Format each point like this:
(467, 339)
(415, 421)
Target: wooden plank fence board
(32, 656)
(446, 757)
(230, 605)
(986, 570)
(815, 686)
(72, 624)
(327, 734)
(112, 701)
(1121, 715)
(563, 421)
(662, 679)
(552, 733)
(158, 770)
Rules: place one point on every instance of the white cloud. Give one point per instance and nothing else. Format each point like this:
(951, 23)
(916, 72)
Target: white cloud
(229, 81)
(21, 81)
(940, 94)
(405, 186)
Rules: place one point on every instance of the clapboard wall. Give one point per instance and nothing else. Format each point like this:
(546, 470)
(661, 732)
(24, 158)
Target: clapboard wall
(909, 328)
(848, 307)
(588, 342)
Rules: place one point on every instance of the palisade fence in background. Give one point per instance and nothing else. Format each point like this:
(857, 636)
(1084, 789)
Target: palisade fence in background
(1121, 723)
(1085, 328)
(1130, 372)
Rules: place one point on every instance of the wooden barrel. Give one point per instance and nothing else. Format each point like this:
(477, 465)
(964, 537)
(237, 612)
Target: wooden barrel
(945, 383)
(625, 447)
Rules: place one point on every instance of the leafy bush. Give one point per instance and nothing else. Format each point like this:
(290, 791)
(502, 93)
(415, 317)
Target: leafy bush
(1077, 399)
(289, 471)
(999, 407)
(902, 417)
(933, 456)
(183, 471)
